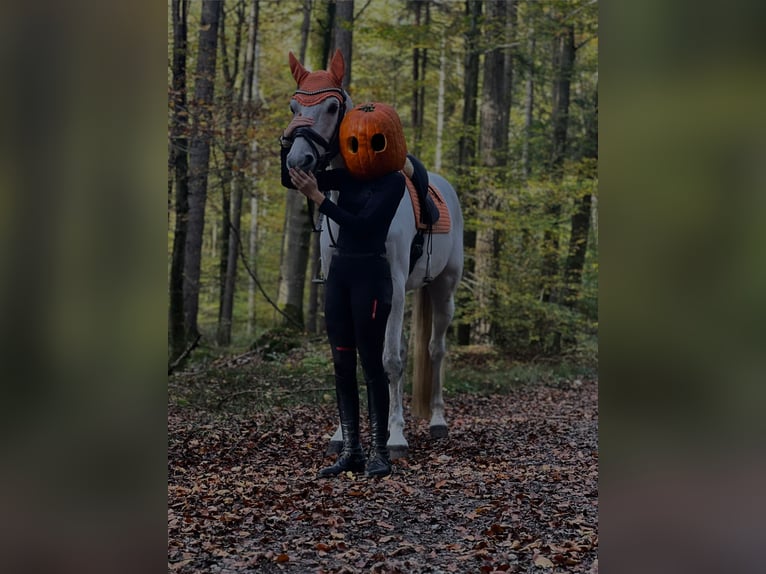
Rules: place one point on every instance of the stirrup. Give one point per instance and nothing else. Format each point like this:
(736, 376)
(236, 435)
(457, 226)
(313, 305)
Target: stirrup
(320, 278)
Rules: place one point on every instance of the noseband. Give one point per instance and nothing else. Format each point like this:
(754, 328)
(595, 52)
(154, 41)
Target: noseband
(331, 147)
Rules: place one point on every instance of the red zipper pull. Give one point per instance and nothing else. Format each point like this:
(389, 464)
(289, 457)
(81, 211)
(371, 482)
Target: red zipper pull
(374, 307)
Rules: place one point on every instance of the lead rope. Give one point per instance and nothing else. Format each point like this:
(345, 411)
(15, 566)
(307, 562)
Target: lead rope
(317, 228)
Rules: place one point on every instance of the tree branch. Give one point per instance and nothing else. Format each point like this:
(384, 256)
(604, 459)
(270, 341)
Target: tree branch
(362, 9)
(258, 283)
(581, 44)
(185, 354)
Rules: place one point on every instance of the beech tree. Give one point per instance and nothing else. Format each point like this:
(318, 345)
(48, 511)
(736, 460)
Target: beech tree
(199, 159)
(179, 160)
(493, 150)
(466, 156)
(242, 117)
(525, 173)
(297, 230)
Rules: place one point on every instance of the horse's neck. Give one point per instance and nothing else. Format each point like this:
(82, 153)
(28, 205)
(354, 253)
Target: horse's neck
(337, 162)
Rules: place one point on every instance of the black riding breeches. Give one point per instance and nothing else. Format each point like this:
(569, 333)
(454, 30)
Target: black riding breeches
(357, 306)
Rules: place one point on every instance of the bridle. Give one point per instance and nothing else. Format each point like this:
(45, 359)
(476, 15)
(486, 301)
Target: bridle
(331, 146)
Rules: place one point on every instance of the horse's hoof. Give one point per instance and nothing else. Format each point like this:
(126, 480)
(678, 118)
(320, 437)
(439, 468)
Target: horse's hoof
(439, 431)
(334, 447)
(398, 451)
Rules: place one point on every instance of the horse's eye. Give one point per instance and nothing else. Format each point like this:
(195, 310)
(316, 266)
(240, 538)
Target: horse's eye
(332, 108)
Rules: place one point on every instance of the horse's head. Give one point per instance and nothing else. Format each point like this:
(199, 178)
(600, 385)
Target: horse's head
(320, 96)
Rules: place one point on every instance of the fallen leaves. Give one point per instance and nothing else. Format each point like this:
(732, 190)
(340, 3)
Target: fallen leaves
(543, 561)
(513, 489)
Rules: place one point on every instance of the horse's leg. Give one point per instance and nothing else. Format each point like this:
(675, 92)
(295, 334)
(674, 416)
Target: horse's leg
(394, 355)
(336, 442)
(443, 306)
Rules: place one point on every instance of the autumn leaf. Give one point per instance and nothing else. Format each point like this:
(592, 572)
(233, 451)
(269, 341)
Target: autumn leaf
(243, 492)
(543, 561)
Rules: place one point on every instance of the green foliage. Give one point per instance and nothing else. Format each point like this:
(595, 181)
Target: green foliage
(487, 370)
(275, 344)
(385, 34)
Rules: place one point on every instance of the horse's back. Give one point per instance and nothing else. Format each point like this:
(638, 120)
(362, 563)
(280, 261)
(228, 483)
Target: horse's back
(455, 235)
(446, 249)
(450, 196)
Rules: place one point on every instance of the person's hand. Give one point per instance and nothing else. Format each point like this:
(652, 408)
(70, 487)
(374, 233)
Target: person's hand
(306, 183)
(297, 122)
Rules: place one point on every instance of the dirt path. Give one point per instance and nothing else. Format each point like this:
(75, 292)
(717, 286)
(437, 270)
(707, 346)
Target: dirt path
(513, 489)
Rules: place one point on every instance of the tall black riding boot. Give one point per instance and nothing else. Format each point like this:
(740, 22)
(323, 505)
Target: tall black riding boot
(351, 457)
(378, 462)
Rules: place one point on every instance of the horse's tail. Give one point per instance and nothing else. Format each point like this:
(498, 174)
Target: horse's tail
(422, 375)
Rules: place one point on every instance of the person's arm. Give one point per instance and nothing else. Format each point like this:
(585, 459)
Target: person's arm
(326, 180)
(377, 212)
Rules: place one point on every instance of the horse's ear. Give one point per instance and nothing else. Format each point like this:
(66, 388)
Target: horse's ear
(337, 67)
(299, 72)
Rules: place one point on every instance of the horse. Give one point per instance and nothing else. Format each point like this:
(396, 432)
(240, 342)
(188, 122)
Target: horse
(434, 278)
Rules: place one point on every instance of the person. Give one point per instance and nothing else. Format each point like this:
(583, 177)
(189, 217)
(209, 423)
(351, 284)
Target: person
(357, 295)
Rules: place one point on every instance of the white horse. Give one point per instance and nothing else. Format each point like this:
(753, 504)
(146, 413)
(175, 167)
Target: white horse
(434, 277)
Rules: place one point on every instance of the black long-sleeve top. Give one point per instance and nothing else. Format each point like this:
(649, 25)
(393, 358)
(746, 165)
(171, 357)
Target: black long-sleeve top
(364, 211)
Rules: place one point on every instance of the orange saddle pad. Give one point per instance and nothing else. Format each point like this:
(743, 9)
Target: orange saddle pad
(444, 224)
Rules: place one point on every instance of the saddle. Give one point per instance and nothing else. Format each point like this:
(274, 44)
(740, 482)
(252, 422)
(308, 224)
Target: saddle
(426, 211)
(429, 207)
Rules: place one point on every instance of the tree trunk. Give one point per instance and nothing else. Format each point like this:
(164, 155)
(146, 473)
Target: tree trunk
(225, 178)
(467, 146)
(312, 316)
(199, 157)
(563, 65)
(251, 253)
(343, 33)
(440, 107)
(493, 147)
(322, 34)
(529, 104)
(252, 94)
(419, 62)
(180, 160)
(305, 30)
(230, 278)
(578, 241)
(245, 113)
(295, 252)
(226, 175)
(297, 234)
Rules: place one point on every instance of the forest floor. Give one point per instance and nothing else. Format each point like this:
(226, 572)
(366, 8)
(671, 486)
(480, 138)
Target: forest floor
(513, 488)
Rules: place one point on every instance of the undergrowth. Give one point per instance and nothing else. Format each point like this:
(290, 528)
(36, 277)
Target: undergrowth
(283, 369)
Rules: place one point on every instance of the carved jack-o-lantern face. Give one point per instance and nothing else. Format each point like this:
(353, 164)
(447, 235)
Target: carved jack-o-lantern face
(372, 141)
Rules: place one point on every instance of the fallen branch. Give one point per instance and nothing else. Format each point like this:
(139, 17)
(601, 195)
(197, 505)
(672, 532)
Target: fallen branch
(183, 355)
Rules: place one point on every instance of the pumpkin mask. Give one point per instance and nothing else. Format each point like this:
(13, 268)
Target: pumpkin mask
(372, 141)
